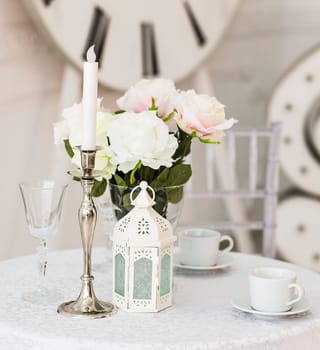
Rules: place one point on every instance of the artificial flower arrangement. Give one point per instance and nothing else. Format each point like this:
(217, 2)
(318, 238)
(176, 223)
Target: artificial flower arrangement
(148, 139)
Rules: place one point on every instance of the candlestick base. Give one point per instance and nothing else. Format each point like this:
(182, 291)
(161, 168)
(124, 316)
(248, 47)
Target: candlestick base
(87, 305)
(97, 309)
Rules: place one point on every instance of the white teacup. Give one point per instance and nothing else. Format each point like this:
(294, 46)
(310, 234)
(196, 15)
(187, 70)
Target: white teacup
(273, 289)
(200, 247)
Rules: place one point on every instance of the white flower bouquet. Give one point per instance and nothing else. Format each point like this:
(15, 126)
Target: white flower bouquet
(148, 139)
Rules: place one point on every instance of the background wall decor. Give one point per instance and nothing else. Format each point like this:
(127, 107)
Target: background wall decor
(295, 102)
(263, 40)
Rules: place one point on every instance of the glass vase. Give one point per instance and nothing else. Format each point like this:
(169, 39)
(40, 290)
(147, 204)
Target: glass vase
(169, 201)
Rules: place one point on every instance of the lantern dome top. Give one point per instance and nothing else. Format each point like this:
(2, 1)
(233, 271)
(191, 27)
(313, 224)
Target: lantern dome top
(143, 199)
(143, 226)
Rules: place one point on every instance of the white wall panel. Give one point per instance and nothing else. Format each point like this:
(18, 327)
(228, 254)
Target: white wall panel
(264, 39)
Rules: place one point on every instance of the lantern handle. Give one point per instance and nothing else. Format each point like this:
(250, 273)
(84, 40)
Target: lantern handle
(143, 185)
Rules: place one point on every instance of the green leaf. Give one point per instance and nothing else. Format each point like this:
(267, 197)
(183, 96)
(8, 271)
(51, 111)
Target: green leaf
(184, 145)
(68, 148)
(99, 187)
(175, 194)
(127, 179)
(161, 179)
(119, 180)
(147, 174)
(127, 202)
(119, 111)
(161, 205)
(179, 174)
(120, 197)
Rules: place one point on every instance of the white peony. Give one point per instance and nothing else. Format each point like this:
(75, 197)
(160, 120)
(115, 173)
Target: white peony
(103, 122)
(141, 137)
(71, 128)
(102, 163)
(72, 119)
(102, 158)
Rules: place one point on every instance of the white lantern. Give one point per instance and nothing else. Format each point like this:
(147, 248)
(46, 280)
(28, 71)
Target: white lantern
(142, 257)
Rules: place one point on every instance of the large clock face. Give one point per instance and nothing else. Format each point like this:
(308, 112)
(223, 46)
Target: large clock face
(135, 38)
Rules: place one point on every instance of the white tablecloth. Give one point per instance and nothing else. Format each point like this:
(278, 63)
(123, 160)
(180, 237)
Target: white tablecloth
(201, 318)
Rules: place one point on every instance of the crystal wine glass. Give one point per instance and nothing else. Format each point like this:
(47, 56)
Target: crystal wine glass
(42, 203)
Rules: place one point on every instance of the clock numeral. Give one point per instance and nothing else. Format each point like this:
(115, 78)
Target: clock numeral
(198, 32)
(97, 33)
(47, 2)
(150, 63)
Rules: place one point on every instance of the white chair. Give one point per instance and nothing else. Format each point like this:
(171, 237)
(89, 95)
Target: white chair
(244, 168)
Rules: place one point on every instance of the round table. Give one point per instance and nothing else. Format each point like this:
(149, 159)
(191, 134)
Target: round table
(201, 317)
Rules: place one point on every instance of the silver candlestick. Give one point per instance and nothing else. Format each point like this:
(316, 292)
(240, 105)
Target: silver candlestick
(87, 305)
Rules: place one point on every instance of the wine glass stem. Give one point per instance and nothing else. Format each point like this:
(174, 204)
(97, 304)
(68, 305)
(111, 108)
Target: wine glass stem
(43, 263)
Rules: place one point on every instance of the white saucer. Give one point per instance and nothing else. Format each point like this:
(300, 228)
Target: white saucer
(243, 304)
(224, 260)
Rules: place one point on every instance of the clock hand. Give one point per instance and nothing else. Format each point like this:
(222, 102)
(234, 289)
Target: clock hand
(47, 2)
(150, 63)
(97, 33)
(198, 32)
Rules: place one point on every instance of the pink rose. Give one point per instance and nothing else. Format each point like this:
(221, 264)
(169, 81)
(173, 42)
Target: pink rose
(202, 116)
(139, 97)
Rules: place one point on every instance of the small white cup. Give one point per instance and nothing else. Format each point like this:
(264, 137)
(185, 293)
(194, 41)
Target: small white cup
(274, 289)
(200, 247)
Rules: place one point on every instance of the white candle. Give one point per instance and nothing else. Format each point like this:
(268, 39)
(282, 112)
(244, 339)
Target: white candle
(89, 101)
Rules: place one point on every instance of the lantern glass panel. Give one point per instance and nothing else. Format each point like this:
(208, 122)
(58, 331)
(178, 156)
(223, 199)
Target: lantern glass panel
(165, 275)
(142, 279)
(119, 274)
